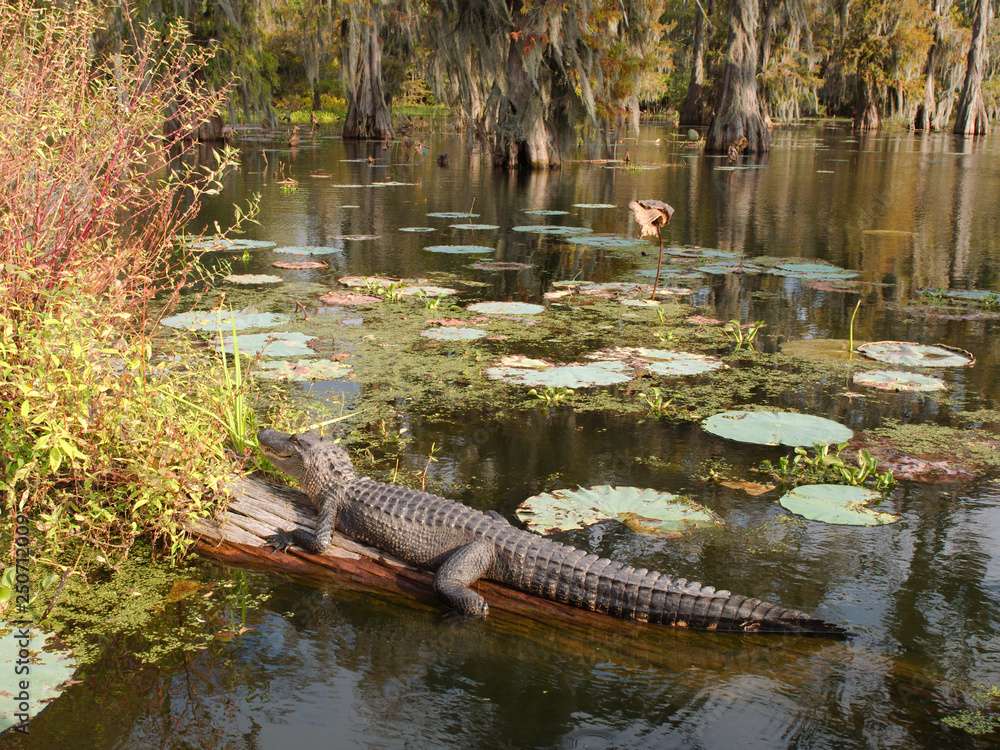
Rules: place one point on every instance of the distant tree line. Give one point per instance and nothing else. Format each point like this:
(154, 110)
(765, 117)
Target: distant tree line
(534, 77)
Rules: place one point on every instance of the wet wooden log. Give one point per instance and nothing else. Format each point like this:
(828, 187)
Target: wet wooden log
(259, 508)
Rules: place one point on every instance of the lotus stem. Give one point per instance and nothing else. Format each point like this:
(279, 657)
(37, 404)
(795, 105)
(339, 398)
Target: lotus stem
(659, 264)
(850, 334)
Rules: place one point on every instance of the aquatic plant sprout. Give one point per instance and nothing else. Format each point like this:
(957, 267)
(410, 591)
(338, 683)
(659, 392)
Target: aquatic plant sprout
(223, 320)
(287, 344)
(645, 511)
(506, 308)
(910, 354)
(898, 380)
(836, 504)
(302, 370)
(454, 333)
(776, 428)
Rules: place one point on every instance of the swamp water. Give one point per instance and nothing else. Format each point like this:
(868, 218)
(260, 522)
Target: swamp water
(320, 666)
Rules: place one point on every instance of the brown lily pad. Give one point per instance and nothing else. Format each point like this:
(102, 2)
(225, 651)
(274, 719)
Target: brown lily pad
(753, 489)
(348, 299)
(703, 320)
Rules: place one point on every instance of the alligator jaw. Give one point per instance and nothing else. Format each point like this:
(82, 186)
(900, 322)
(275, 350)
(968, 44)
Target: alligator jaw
(281, 450)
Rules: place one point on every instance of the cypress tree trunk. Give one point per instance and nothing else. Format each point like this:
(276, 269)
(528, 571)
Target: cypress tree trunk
(524, 136)
(972, 118)
(866, 116)
(927, 109)
(695, 110)
(739, 113)
(368, 113)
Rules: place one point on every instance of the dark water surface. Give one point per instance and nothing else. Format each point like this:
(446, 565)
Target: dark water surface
(324, 667)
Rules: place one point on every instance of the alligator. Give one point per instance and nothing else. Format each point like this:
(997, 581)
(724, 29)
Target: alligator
(462, 545)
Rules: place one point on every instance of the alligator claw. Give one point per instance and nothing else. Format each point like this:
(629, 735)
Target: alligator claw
(280, 541)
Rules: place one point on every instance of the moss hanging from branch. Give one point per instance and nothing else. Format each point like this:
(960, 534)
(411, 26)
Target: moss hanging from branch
(532, 77)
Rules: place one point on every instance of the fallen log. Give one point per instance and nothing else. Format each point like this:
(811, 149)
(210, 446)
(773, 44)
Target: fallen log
(259, 508)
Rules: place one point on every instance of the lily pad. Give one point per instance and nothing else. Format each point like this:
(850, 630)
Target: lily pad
(453, 215)
(475, 227)
(776, 428)
(643, 510)
(302, 370)
(506, 308)
(223, 320)
(427, 290)
(972, 295)
(662, 361)
(348, 299)
(723, 267)
(500, 265)
(363, 281)
(252, 279)
(594, 205)
(677, 273)
(288, 344)
(308, 250)
(552, 229)
(300, 265)
(545, 212)
(606, 241)
(898, 380)
(454, 333)
(813, 271)
(564, 376)
(50, 670)
(459, 249)
(911, 354)
(836, 504)
(702, 252)
(222, 244)
(640, 303)
(417, 229)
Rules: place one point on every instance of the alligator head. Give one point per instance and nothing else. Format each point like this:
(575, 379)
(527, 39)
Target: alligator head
(316, 462)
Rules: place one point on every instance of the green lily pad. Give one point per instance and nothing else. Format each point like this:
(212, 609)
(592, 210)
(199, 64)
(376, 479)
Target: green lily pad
(475, 227)
(702, 252)
(812, 271)
(453, 215)
(679, 364)
(776, 428)
(417, 229)
(836, 504)
(898, 380)
(454, 333)
(643, 510)
(50, 669)
(426, 290)
(545, 212)
(911, 354)
(287, 344)
(594, 205)
(459, 249)
(506, 308)
(223, 244)
(252, 279)
(552, 229)
(500, 265)
(301, 370)
(308, 250)
(564, 376)
(223, 320)
(676, 273)
(606, 241)
(723, 267)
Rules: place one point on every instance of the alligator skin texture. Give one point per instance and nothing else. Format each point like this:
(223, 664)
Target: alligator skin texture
(463, 545)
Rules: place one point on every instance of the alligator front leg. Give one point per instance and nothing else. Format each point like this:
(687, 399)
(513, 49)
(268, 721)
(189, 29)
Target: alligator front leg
(462, 568)
(325, 521)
